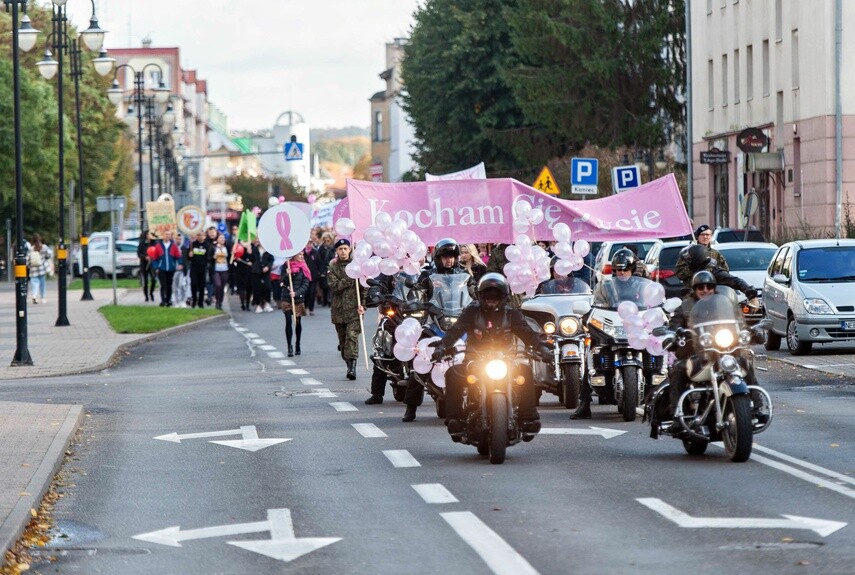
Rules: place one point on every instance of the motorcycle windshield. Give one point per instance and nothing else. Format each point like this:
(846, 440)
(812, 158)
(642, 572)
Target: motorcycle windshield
(717, 308)
(401, 291)
(450, 293)
(565, 286)
(612, 291)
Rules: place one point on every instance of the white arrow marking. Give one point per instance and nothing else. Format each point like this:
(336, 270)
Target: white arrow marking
(368, 430)
(343, 406)
(282, 545)
(500, 557)
(249, 438)
(822, 527)
(601, 431)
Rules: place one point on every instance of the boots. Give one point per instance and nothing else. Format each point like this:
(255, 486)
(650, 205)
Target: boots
(583, 411)
(351, 368)
(290, 351)
(297, 348)
(409, 414)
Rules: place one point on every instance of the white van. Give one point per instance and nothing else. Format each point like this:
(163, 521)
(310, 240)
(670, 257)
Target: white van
(101, 257)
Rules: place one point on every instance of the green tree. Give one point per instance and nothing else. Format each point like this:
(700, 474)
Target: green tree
(255, 191)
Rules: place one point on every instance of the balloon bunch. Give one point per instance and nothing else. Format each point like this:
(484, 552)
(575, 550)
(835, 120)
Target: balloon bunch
(408, 347)
(387, 247)
(571, 257)
(640, 324)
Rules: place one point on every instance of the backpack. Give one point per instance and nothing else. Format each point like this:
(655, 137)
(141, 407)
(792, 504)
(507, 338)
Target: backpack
(35, 259)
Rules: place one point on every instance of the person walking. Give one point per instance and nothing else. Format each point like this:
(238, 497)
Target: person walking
(346, 307)
(168, 257)
(242, 264)
(148, 275)
(326, 253)
(38, 262)
(294, 290)
(313, 262)
(198, 256)
(220, 257)
(262, 261)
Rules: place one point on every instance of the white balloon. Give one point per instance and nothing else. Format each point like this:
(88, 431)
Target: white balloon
(536, 216)
(372, 234)
(422, 365)
(522, 240)
(512, 253)
(653, 294)
(362, 251)
(520, 226)
(383, 221)
(411, 267)
(353, 270)
(420, 251)
(563, 267)
(627, 309)
(582, 248)
(563, 250)
(522, 209)
(388, 267)
(344, 226)
(403, 352)
(561, 232)
(383, 249)
(370, 268)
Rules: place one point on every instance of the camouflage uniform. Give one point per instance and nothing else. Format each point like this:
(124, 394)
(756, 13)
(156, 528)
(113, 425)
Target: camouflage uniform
(344, 314)
(685, 274)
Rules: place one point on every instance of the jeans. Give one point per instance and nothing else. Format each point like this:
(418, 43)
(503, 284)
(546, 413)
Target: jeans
(38, 286)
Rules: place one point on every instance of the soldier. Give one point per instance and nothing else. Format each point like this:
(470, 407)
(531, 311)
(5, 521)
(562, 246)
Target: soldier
(345, 306)
(703, 235)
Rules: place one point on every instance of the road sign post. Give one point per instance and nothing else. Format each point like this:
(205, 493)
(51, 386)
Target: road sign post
(112, 204)
(584, 176)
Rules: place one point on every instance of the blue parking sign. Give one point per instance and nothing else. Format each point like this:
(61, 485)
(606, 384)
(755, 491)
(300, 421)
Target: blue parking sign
(584, 176)
(625, 178)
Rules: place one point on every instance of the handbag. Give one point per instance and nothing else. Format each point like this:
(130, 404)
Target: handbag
(285, 306)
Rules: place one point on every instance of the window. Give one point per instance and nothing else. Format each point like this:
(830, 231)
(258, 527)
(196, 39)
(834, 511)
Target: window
(736, 77)
(794, 58)
(709, 6)
(749, 72)
(724, 80)
(778, 263)
(710, 86)
(779, 20)
(765, 68)
(378, 126)
(779, 117)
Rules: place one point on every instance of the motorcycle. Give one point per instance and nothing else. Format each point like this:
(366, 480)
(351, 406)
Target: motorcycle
(718, 404)
(559, 316)
(618, 373)
(491, 419)
(450, 296)
(403, 302)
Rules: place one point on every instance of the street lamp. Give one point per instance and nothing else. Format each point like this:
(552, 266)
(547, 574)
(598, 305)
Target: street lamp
(138, 98)
(155, 139)
(93, 37)
(23, 39)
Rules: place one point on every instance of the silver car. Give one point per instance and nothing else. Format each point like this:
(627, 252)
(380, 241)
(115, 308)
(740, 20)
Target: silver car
(809, 294)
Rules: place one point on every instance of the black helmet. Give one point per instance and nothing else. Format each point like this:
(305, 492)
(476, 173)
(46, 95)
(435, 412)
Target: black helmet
(623, 259)
(703, 277)
(494, 284)
(446, 247)
(697, 256)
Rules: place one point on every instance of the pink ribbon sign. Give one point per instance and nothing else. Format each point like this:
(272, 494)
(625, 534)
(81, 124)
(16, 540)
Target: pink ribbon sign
(283, 226)
(284, 229)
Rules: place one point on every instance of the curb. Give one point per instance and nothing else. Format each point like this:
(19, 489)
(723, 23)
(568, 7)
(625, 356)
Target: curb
(18, 519)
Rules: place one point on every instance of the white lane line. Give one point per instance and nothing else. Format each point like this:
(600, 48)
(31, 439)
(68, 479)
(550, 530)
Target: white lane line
(500, 557)
(276, 355)
(241, 329)
(401, 458)
(251, 335)
(267, 347)
(821, 365)
(343, 406)
(258, 341)
(804, 475)
(285, 362)
(298, 371)
(805, 464)
(368, 430)
(310, 381)
(434, 493)
(321, 392)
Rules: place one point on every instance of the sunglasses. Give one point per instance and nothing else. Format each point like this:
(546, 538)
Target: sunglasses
(705, 287)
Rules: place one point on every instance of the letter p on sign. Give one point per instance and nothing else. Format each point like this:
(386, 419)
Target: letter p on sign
(625, 178)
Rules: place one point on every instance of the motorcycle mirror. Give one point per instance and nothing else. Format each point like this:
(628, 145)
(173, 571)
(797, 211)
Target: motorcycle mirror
(660, 331)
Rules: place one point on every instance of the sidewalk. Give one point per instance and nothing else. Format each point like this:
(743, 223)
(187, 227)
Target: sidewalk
(34, 437)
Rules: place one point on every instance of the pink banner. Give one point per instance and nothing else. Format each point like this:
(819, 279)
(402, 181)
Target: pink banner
(475, 211)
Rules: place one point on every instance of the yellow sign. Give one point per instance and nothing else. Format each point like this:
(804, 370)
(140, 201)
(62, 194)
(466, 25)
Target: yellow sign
(546, 183)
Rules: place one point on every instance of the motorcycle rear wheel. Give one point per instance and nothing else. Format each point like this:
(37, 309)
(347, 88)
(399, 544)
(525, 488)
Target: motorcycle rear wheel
(440, 407)
(484, 444)
(498, 427)
(629, 401)
(571, 383)
(738, 434)
(398, 392)
(695, 446)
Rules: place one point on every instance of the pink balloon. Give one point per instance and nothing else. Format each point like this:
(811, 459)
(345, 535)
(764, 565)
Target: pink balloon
(312, 198)
(370, 268)
(653, 294)
(282, 199)
(512, 253)
(536, 216)
(654, 346)
(403, 352)
(563, 250)
(412, 267)
(582, 248)
(522, 209)
(638, 340)
(422, 365)
(383, 249)
(563, 267)
(344, 226)
(388, 267)
(352, 270)
(372, 235)
(561, 232)
(383, 220)
(363, 281)
(520, 226)
(627, 309)
(362, 251)
(653, 318)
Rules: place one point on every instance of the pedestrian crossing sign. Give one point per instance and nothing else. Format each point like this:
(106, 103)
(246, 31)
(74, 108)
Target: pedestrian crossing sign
(293, 151)
(545, 182)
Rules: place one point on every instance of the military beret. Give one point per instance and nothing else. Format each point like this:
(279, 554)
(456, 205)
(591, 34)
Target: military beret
(701, 229)
(342, 242)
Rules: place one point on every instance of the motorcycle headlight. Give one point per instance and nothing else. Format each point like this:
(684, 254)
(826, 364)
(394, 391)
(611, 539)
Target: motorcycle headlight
(728, 364)
(744, 337)
(569, 325)
(724, 338)
(549, 328)
(496, 369)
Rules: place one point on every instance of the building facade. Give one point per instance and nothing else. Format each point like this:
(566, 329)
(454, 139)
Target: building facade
(392, 134)
(764, 114)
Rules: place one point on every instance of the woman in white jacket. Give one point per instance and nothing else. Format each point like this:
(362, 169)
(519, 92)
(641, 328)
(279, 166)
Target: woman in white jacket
(39, 264)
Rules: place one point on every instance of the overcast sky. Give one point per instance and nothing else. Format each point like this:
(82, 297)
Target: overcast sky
(320, 58)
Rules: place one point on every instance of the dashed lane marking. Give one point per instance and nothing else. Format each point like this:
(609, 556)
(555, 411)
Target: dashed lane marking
(401, 458)
(368, 430)
(501, 558)
(276, 355)
(267, 347)
(343, 406)
(285, 362)
(310, 381)
(298, 372)
(434, 493)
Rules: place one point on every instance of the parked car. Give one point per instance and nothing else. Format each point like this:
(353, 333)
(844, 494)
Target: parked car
(809, 294)
(661, 261)
(603, 261)
(727, 235)
(749, 261)
(101, 257)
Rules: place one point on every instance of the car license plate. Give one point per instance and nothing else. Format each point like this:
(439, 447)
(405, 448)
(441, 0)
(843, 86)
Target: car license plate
(847, 325)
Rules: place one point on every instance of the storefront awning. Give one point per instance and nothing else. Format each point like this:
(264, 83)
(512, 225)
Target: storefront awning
(765, 162)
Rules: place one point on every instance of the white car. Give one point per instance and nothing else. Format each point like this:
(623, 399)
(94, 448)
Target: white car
(101, 258)
(748, 260)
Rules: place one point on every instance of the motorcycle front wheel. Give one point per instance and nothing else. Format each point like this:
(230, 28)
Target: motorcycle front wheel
(629, 401)
(571, 383)
(498, 427)
(737, 434)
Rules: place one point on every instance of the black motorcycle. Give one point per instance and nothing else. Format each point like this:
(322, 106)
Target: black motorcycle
(718, 404)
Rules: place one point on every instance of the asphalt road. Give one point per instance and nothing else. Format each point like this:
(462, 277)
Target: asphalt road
(355, 490)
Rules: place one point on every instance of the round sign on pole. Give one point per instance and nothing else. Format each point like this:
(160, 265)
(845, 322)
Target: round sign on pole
(191, 220)
(284, 229)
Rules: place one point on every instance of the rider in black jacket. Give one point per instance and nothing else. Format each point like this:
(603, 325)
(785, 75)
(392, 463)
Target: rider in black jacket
(489, 322)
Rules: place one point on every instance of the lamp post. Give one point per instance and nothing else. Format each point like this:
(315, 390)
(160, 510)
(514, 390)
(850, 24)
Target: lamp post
(23, 39)
(93, 37)
(138, 98)
(155, 139)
